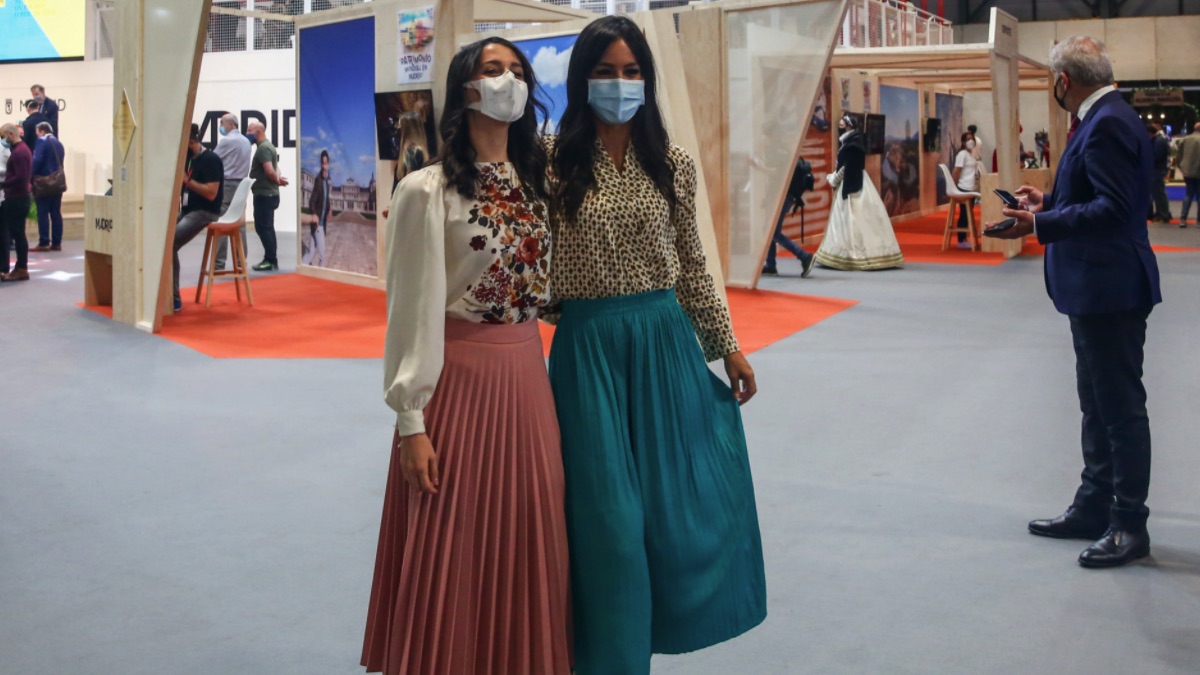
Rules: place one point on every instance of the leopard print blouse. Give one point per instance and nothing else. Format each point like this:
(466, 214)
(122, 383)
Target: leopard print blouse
(626, 242)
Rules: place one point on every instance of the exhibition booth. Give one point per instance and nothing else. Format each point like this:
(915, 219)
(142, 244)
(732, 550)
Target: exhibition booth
(753, 86)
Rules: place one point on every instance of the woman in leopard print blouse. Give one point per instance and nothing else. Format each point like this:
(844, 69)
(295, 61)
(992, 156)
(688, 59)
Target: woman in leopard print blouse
(666, 555)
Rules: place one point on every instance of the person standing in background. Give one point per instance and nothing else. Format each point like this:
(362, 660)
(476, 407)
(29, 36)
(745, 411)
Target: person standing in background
(977, 151)
(966, 177)
(802, 181)
(1162, 166)
(1189, 166)
(17, 175)
(318, 204)
(235, 151)
(1101, 272)
(46, 105)
(47, 158)
(29, 126)
(264, 169)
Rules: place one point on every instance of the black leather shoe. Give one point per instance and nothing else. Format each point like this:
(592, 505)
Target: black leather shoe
(1072, 524)
(1116, 548)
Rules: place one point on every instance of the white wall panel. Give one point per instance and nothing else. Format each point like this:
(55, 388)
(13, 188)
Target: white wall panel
(1131, 47)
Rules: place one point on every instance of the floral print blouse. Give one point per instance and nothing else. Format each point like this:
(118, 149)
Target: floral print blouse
(485, 260)
(627, 241)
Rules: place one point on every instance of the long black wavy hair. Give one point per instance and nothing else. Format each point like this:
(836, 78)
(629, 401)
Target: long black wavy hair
(575, 152)
(457, 155)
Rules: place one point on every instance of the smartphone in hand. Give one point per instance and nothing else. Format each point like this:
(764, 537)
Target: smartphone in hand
(1001, 226)
(1007, 197)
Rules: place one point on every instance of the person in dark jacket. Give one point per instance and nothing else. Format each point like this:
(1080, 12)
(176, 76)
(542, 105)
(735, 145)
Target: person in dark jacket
(1161, 147)
(48, 157)
(46, 105)
(1101, 272)
(29, 126)
(320, 206)
(17, 174)
(801, 181)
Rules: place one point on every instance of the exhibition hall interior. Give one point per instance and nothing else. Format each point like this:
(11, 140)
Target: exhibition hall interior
(939, 261)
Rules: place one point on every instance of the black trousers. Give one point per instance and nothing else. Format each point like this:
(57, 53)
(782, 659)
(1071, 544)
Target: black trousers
(1162, 206)
(264, 225)
(12, 227)
(1109, 350)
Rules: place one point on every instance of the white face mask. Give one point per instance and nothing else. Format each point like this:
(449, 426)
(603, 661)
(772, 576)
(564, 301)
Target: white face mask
(970, 145)
(502, 98)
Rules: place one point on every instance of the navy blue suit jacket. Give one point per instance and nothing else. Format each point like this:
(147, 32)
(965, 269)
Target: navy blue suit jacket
(1098, 255)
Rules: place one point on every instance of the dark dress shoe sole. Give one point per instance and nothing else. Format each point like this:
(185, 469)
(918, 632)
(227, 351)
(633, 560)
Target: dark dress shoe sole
(1114, 562)
(1085, 536)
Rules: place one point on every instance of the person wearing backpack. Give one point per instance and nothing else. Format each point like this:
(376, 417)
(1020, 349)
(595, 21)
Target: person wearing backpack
(802, 181)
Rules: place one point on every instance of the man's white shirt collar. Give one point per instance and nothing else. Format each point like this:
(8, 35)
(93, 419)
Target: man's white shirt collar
(1086, 106)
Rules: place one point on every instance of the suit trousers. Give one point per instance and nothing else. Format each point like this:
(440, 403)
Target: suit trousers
(1162, 206)
(12, 229)
(1109, 350)
(264, 225)
(1192, 194)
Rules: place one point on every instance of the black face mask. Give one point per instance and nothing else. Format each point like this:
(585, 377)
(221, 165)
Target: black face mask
(1060, 100)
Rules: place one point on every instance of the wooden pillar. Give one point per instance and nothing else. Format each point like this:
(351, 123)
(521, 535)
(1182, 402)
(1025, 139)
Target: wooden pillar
(1006, 111)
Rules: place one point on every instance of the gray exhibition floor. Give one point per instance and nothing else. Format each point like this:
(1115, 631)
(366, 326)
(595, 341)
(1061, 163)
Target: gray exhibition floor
(165, 512)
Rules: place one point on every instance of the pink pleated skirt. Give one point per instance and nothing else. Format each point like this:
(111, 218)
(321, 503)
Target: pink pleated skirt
(475, 580)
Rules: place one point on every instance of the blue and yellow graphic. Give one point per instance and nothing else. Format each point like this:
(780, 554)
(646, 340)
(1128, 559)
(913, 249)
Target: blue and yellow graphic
(42, 30)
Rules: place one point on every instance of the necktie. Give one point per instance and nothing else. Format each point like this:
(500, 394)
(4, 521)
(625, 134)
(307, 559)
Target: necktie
(1074, 126)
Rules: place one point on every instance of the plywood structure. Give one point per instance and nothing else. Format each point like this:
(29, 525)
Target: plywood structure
(156, 67)
(753, 71)
(997, 66)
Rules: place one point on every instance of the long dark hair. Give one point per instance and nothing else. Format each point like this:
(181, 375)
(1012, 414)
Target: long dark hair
(457, 155)
(574, 153)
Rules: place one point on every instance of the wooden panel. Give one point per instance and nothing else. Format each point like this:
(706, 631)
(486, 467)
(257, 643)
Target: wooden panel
(98, 223)
(1175, 41)
(172, 43)
(127, 189)
(1092, 27)
(341, 277)
(97, 279)
(701, 42)
(674, 100)
(1005, 101)
(1132, 50)
(519, 11)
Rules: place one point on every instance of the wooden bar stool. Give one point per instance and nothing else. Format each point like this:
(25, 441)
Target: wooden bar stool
(229, 225)
(957, 197)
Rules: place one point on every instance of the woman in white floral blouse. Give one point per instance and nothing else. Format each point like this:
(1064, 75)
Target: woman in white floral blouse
(472, 573)
(666, 555)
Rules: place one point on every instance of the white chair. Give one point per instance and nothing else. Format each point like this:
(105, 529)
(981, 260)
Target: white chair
(957, 197)
(228, 225)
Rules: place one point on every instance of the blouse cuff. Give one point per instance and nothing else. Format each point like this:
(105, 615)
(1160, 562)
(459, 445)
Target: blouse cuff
(410, 422)
(718, 347)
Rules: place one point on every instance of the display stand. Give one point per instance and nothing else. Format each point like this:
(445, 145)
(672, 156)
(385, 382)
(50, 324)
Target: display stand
(158, 50)
(98, 250)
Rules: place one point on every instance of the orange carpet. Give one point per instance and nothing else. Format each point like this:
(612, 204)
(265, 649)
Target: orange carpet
(299, 317)
(921, 242)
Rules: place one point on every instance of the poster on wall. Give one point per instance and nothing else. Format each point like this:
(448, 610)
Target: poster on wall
(950, 111)
(845, 82)
(405, 132)
(337, 147)
(867, 97)
(549, 57)
(415, 46)
(900, 184)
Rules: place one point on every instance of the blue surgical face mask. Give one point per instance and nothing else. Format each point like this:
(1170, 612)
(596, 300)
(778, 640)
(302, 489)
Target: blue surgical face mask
(252, 139)
(5, 143)
(616, 101)
(223, 131)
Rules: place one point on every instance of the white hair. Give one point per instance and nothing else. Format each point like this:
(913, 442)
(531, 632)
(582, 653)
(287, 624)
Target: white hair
(230, 118)
(1084, 59)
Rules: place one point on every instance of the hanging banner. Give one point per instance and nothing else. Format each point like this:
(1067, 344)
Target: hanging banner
(415, 46)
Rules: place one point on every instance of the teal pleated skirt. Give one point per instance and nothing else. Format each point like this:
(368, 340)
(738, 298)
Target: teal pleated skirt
(666, 555)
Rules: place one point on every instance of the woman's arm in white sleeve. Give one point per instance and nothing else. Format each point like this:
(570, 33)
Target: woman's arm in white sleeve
(416, 297)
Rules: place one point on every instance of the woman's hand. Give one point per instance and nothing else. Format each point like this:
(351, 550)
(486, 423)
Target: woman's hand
(741, 377)
(418, 463)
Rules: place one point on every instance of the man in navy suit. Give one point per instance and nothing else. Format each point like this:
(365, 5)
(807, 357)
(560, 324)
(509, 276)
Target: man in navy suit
(1101, 273)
